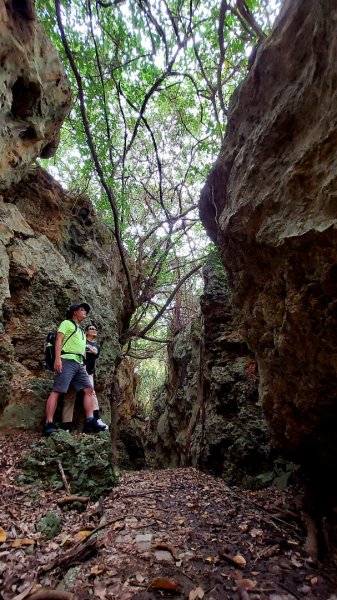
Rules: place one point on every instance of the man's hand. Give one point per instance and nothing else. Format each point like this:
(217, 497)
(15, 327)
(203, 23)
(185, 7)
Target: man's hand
(58, 365)
(58, 349)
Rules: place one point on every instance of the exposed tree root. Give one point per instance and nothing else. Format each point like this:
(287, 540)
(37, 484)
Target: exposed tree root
(311, 542)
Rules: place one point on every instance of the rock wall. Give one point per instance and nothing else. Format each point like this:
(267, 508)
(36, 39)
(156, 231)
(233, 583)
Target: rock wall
(53, 251)
(34, 93)
(129, 426)
(210, 411)
(270, 205)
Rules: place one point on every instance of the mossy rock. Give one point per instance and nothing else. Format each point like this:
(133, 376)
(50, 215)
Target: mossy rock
(86, 461)
(49, 525)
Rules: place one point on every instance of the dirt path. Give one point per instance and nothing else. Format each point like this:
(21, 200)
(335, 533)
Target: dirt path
(170, 533)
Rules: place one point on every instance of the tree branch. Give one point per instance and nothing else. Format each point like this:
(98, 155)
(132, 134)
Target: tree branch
(169, 300)
(91, 145)
(222, 17)
(108, 4)
(249, 18)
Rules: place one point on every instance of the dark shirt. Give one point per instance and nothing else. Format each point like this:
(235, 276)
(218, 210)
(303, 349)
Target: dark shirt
(92, 350)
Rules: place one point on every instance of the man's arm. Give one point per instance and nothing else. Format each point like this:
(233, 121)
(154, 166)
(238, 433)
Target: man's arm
(58, 348)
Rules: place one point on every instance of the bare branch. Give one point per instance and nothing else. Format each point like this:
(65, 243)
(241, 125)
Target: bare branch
(156, 340)
(169, 300)
(172, 19)
(108, 4)
(145, 7)
(159, 165)
(249, 18)
(107, 124)
(153, 89)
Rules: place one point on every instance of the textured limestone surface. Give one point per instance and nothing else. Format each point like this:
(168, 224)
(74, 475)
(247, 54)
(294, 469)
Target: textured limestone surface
(53, 251)
(210, 412)
(270, 203)
(129, 427)
(34, 93)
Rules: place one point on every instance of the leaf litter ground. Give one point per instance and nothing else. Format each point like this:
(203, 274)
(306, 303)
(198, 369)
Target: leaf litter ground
(174, 533)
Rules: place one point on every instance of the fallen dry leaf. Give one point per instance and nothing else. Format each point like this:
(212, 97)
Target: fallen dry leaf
(99, 590)
(296, 562)
(164, 584)
(168, 547)
(239, 560)
(247, 584)
(81, 535)
(256, 532)
(28, 591)
(118, 525)
(3, 535)
(195, 594)
(112, 573)
(64, 539)
(97, 570)
(22, 542)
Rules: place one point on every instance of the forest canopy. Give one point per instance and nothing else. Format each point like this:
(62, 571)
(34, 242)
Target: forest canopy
(151, 83)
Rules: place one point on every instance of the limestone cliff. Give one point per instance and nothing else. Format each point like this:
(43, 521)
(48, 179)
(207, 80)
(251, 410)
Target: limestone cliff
(54, 251)
(210, 411)
(34, 93)
(270, 205)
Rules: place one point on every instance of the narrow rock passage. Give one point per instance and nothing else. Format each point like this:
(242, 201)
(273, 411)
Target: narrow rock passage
(169, 533)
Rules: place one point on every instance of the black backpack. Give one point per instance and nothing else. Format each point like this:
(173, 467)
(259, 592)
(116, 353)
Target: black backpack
(49, 354)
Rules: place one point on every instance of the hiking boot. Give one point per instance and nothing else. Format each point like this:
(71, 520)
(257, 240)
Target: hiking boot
(102, 424)
(48, 429)
(92, 426)
(66, 426)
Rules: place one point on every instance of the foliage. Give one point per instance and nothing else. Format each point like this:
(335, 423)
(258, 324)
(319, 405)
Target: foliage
(86, 461)
(215, 267)
(151, 82)
(152, 374)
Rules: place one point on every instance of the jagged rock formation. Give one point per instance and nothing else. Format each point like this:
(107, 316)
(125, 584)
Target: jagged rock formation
(54, 251)
(128, 427)
(270, 205)
(210, 411)
(34, 93)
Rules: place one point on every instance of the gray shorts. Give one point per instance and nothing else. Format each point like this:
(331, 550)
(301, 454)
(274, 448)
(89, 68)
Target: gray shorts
(72, 373)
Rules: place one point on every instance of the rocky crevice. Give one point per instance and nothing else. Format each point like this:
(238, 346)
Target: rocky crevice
(209, 410)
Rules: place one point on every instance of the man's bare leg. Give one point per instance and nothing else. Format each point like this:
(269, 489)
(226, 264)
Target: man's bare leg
(51, 406)
(88, 403)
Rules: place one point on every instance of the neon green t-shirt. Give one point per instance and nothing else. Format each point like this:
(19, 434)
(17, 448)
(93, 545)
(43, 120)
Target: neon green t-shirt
(75, 347)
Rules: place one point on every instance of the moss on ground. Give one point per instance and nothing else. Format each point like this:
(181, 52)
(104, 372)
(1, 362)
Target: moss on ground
(86, 461)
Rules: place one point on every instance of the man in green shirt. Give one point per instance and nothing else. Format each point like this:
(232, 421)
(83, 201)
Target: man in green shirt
(69, 368)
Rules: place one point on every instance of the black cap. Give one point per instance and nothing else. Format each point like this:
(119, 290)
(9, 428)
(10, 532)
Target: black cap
(74, 307)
